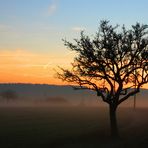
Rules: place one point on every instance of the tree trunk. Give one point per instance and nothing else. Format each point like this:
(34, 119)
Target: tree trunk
(113, 122)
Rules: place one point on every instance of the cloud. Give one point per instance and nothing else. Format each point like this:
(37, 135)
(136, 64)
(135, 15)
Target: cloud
(78, 29)
(21, 58)
(52, 7)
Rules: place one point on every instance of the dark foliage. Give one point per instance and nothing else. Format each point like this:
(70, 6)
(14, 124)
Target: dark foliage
(9, 95)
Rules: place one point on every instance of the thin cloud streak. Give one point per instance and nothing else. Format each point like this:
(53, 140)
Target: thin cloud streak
(23, 66)
(52, 8)
(78, 29)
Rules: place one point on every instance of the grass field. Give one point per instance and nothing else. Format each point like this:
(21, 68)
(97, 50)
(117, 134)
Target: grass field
(70, 127)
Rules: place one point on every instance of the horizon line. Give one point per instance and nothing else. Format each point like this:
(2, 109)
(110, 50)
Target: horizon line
(27, 83)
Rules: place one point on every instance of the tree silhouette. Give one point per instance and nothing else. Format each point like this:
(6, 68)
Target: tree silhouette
(9, 95)
(114, 64)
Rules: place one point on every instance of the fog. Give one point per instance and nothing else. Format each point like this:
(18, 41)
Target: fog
(65, 102)
(54, 95)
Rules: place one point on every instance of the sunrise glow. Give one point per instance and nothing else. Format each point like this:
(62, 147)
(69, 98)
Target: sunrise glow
(31, 33)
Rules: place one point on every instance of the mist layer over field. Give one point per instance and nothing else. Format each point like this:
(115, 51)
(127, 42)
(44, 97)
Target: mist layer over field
(55, 95)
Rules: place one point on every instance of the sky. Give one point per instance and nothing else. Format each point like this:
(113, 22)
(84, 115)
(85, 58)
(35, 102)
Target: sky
(31, 33)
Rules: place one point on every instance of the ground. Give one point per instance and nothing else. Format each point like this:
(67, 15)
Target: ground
(71, 127)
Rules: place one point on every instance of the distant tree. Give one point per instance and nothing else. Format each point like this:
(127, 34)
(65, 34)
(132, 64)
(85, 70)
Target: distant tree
(114, 64)
(9, 95)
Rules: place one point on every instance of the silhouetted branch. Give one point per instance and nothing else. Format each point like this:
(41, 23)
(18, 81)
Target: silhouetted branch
(114, 58)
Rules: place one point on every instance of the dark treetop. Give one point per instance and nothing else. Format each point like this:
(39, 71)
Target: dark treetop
(111, 63)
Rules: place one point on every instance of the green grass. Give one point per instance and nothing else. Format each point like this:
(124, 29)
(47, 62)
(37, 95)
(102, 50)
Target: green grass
(68, 127)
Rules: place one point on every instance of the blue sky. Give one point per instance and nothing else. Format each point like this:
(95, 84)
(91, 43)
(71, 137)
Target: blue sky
(31, 22)
(38, 26)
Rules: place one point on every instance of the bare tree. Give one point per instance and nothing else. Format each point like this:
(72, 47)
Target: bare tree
(114, 64)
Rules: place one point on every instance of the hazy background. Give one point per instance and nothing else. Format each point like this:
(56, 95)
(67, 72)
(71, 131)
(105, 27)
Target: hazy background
(54, 95)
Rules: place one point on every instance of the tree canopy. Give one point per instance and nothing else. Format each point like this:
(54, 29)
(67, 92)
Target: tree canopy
(111, 63)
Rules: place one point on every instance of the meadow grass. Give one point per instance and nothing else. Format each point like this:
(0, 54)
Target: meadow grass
(60, 127)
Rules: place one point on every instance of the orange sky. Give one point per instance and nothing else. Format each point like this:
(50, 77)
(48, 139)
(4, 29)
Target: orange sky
(25, 67)
(31, 33)
(21, 66)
